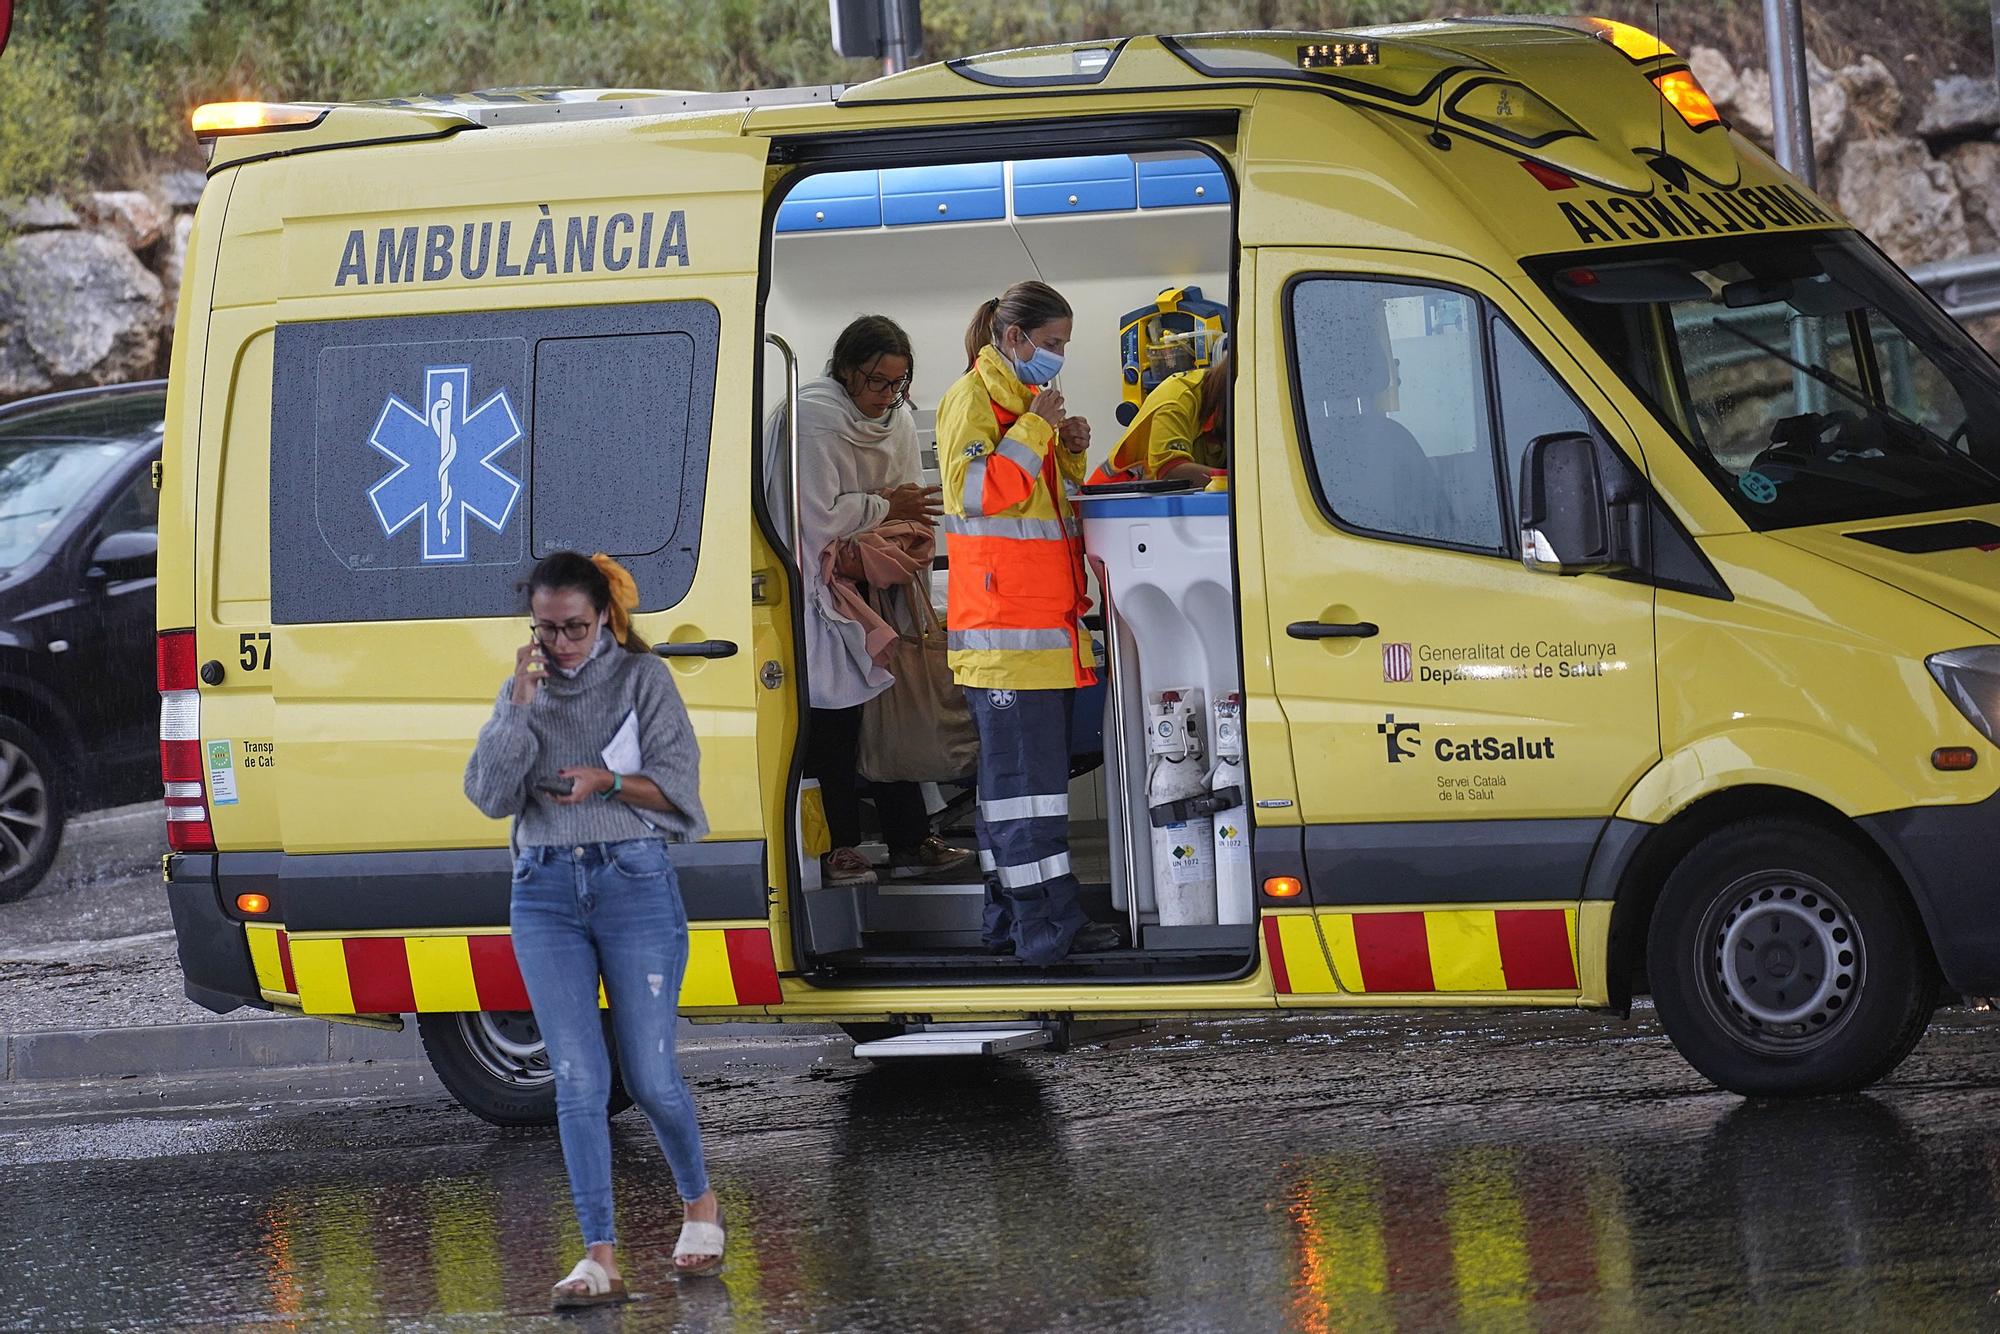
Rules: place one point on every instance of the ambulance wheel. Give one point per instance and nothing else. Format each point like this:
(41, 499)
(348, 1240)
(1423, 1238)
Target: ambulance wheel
(495, 1063)
(1784, 963)
(31, 811)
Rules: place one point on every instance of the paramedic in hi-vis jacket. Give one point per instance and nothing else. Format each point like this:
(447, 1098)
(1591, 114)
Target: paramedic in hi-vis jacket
(1018, 647)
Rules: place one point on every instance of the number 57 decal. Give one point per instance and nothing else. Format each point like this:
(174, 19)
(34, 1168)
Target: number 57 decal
(248, 645)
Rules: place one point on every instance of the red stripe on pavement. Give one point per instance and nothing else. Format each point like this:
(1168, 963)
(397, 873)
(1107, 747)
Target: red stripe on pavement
(285, 962)
(1395, 953)
(1534, 949)
(378, 975)
(1274, 950)
(1416, 1247)
(752, 969)
(1562, 1253)
(495, 975)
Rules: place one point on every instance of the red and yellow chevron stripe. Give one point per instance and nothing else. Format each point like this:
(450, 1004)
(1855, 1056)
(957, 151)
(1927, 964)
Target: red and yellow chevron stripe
(728, 968)
(1432, 950)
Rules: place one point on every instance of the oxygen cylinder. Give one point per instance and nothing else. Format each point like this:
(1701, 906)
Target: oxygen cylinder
(1183, 849)
(1233, 903)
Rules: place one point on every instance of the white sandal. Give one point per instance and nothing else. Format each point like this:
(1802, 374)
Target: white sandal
(599, 1288)
(699, 1238)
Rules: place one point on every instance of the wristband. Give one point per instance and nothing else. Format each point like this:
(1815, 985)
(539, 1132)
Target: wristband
(617, 786)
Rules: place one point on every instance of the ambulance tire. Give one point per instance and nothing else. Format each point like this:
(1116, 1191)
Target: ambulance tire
(494, 1064)
(1734, 956)
(33, 819)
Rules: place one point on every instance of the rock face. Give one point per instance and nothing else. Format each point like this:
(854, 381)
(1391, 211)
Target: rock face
(1961, 106)
(1976, 168)
(182, 189)
(130, 215)
(76, 308)
(172, 264)
(37, 214)
(1894, 190)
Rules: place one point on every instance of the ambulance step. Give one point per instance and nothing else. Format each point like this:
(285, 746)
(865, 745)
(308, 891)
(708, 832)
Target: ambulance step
(984, 1040)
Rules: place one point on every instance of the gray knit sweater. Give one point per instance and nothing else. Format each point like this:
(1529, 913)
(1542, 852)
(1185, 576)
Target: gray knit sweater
(569, 724)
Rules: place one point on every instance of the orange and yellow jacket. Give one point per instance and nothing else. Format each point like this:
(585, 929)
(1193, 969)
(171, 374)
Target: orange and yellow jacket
(1017, 592)
(1166, 431)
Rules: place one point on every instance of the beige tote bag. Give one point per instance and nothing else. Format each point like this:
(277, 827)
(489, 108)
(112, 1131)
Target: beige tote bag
(919, 730)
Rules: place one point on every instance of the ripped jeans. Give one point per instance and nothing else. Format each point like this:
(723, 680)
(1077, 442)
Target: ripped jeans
(615, 910)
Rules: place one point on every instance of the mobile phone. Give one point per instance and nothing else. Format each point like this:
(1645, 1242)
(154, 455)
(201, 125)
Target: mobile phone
(556, 787)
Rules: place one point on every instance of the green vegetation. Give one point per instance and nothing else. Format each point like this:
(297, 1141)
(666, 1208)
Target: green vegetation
(102, 88)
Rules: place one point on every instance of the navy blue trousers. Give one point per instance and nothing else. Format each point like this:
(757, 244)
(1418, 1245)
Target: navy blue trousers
(1032, 905)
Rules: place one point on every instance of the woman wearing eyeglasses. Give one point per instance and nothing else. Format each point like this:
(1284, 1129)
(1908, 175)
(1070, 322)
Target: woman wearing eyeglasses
(595, 894)
(858, 468)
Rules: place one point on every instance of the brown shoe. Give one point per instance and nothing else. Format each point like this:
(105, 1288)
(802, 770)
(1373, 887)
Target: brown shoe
(846, 866)
(933, 856)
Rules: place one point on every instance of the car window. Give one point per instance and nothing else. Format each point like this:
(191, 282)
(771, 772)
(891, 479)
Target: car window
(137, 509)
(106, 417)
(1532, 402)
(40, 483)
(1391, 383)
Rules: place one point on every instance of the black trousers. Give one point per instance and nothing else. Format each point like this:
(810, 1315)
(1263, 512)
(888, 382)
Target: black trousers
(833, 749)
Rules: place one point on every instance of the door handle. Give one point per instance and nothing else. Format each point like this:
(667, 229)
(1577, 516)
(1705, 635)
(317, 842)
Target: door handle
(1323, 630)
(700, 648)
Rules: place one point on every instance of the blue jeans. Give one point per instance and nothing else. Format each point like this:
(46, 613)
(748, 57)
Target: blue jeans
(615, 910)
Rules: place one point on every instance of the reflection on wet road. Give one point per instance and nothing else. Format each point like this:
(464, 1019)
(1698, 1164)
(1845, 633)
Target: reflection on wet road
(1400, 1172)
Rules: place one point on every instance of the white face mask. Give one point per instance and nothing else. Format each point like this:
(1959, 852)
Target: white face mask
(597, 646)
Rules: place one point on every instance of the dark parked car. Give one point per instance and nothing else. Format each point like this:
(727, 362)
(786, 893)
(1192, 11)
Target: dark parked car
(79, 542)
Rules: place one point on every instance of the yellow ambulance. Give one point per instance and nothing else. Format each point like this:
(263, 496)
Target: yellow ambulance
(1604, 599)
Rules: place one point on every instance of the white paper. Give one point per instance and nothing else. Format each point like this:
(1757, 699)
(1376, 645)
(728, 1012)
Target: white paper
(621, 755)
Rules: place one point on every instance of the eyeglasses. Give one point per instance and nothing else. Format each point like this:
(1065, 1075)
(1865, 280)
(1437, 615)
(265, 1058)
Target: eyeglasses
(875, 384)
(574, 631)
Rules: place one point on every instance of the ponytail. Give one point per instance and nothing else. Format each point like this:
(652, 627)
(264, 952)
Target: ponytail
(1030, 304)
(980, 332)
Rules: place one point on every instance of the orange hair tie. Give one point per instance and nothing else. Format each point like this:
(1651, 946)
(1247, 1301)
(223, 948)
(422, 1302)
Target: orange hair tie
(624, 594)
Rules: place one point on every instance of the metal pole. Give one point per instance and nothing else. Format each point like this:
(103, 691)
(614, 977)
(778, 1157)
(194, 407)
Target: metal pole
(1996, 38)
(895, 54)
(1791, 102)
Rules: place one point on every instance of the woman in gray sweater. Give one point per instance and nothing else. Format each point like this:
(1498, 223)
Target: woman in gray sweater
(590, 752)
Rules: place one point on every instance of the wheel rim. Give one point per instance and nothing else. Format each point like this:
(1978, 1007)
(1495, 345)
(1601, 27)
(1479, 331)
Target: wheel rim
(1782, 961)
(508, 1045)
(24, 809)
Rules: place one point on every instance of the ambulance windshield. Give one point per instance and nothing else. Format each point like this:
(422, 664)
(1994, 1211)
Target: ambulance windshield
(1806, 375)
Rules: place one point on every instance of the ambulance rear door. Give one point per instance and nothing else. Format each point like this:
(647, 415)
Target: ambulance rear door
(481, 350)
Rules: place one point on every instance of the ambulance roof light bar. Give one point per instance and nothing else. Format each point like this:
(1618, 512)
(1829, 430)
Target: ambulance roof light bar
(215, 118)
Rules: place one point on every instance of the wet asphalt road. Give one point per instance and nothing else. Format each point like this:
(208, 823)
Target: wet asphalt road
(1516, 1172)
(92, 946)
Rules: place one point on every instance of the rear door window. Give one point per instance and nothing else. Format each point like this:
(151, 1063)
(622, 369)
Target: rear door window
(421, 465)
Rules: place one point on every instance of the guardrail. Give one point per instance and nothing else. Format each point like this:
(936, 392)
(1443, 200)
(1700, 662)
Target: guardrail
(1967, 288)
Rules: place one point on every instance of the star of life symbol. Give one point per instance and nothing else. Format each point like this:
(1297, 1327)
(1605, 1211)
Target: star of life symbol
(444, 455)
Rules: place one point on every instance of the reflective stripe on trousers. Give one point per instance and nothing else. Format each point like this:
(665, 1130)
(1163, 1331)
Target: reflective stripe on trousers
(1032, 896)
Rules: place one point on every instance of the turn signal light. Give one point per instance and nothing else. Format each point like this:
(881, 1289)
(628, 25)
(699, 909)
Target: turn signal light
(1954, 759)
(242, 117)
(1636, 43)
(1685, 94)
(252, 905)
(1283, 887)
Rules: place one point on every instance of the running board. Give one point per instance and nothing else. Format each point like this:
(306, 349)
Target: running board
(969, 1040)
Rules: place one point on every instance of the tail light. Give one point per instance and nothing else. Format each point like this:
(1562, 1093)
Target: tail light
(181, 766)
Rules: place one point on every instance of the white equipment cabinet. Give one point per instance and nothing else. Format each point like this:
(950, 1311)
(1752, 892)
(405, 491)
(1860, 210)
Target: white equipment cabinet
(1163, 562)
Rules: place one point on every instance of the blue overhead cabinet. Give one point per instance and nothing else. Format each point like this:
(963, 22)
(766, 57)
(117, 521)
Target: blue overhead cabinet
(1050, 186)
(832, 199)
(973, 193)
(1178, 182)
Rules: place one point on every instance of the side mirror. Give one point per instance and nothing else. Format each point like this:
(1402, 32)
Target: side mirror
(1567, 520)
(132, 555)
